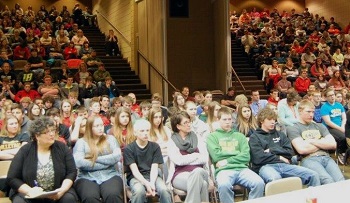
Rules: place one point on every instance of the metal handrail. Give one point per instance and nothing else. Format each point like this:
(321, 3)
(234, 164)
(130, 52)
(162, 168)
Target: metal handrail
(121, 34)
(239, 81)
(151, 65)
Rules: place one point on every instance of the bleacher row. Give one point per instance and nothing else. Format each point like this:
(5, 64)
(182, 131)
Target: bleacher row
(295, 41)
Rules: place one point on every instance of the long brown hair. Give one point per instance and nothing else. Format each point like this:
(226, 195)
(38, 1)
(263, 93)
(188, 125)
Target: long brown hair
(118, 128)
(95, 148)
(211, 119)
(243, 125)
(153, 134)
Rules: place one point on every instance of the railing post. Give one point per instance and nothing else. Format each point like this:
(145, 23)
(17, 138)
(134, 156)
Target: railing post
(149, 76)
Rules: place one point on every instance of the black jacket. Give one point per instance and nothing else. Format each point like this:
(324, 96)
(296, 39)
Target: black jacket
(278, 144)
(24, 165)
(103, 90)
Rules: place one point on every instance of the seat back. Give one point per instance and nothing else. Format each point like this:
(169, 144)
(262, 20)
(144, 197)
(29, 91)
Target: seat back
(4, 167)
(19, 64)
(283, 185)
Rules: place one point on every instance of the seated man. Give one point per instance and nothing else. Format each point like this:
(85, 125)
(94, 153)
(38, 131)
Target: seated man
(69, 87)
(229, 152)
(312, 141)
(36, 62)
(92, 62)
(8, 73)
(48, 88)
(141, 159)
(101, 74)
(229, 98)
(272, 152)
(334, 118)
(26, 75)
(112, 47)
(26, 92)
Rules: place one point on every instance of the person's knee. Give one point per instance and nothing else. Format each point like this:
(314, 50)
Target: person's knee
(138, 190)
(68, 198)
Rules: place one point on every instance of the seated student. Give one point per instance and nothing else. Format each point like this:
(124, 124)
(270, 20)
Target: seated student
(73, 100)
(108, 88)
(257, 103)
(87, 92)
(4, 59)
(26, 92)
(18, 111)
(69, 87)
(96, 163)
(141, 160)
(200, 128)
(26, 75)
(11, 140)
(188, 157)
(145, 107)
(272, 152)
(7, 90)
(101, 74)
(334, 118)
(48, 102)
(36, 62)
(228, 99)
(273, 97)
(104, 105)
(229, 151)
(62, 130)
(312, 141)
(8, 73)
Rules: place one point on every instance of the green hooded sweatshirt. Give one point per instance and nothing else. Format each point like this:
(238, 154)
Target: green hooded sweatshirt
(232, 146)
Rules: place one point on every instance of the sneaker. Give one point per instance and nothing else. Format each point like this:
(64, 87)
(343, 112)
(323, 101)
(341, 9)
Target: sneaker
(341, 158)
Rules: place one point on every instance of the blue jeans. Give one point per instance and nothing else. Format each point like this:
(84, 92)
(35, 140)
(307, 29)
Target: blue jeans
(138, 191)
(325, 166)
(271, 172)
(246, 178)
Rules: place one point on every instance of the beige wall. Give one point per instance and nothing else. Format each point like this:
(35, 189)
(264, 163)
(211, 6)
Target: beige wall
(190, 43)
(48, 4)
(151, 39)
(338, 9)
(222, 45)
(120, 14)
(281, 5)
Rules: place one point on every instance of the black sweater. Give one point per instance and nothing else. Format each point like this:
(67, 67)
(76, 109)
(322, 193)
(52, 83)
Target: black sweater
(23, 167)
(276, 141)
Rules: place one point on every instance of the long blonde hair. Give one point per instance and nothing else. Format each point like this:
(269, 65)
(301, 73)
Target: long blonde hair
(95, 148)
(243, 125)
(4, 131)
(118, 128)
(153, 134)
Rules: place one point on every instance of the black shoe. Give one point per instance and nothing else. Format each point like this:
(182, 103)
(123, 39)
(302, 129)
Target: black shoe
(341, 158)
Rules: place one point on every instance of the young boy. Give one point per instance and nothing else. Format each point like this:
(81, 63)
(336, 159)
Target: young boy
(229, 151)
(273, 97)
(141, 159)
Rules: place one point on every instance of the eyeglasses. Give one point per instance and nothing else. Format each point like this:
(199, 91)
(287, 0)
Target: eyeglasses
(49, 131)
(185, 123)
(331, 95)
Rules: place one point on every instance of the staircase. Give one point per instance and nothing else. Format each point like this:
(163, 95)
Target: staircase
(246, 72)
(126, 79)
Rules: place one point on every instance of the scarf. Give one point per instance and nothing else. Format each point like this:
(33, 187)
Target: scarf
(189, 144)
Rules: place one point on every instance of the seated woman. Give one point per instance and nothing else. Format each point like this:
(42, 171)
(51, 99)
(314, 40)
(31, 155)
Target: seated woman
(188, 155)
(43, 165)
(159, 134)
(246, 122)
(11, 140)
(96, 156)
(336, 81)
